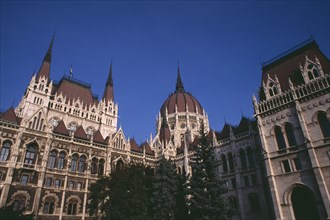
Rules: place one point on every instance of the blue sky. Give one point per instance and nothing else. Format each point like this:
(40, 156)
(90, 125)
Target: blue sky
(219, 45)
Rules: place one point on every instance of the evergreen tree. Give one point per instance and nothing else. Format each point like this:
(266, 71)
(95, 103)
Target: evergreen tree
(181, 209)
(205, 187)
(124, 195)
(164, 189)
(7, 212)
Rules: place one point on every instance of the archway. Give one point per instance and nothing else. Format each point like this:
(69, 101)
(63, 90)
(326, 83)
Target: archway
(303, 204)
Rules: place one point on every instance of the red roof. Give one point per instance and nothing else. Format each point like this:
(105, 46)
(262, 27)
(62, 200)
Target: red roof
(10, 116)
(98, 137)
(134, 146)
(288, 65)
(80, 133)
(148, 149)
(61, 129)
(73, 89)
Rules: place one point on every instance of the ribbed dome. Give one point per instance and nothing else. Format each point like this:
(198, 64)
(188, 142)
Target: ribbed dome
(182, 100)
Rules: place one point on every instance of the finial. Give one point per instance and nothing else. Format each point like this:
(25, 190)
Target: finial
(71, 72)
(109, 80)
(179, 84)
(48, 56)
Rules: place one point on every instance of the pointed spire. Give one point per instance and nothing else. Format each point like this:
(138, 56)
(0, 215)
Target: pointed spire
(45, 66)
(179, 84)
(108, 91)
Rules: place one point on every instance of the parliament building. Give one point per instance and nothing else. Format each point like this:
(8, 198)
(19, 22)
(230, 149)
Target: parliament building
(276, 165)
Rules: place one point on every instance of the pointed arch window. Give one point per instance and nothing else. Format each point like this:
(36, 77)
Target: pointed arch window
(279, 138)
(272, 89)
(30, 154)
(52, 159)
(101, 167)
(312, 72)
(81, 167)
(250, 157)
(224, 163)
(231, 162)
(120, 165)
(290, 134)
(5, 150)
(49, 205)
(94, 166)
(60, 162)
(243, 158)
(324, 124)
(72, 207)
(74, 162)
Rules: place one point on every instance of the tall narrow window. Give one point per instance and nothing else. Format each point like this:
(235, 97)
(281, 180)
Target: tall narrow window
(51, 159)
(94, 166)
(49, 205)
(324, 124)
(60, 162)
(72, 207)
(19, 203)
(233, 204)
(242, 158)
(30, 154)
(5, 151)
(81, 167)
(279, 138)
(24, 179)
(290, 134)
(224, 163)
(250, 157)
(74, 161)
(254, 202)
(231, 162)
(101, 167)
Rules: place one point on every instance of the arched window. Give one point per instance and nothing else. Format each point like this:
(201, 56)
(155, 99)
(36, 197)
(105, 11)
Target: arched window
(19, 202)
(30, 154)
(94, 166)
(231, 162)
(233, 204)
(324, 124)
(279, 138)
(250, 157)
(52, 159)
(81, 167)
(101, 167)
(60, 162)
(74, 161)
(119, 166)
(49, 205)
(72, 207)
(5, 150)
(242, 158)
(224, 163)
(254, 202)
(290, 134)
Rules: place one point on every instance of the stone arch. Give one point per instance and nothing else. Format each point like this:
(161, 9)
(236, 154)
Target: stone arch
(20, 193)
(47, 196)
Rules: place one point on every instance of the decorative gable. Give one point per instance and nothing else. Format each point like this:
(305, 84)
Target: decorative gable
(37, 121)
(271, 87)
(311, 69)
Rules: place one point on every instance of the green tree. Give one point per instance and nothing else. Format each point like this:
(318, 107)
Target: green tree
(164, 188)
(9, 213)
(124, 195)
(205, 186)
(181, 209)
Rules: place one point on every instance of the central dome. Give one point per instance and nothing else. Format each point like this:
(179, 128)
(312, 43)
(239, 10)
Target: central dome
(182, 100)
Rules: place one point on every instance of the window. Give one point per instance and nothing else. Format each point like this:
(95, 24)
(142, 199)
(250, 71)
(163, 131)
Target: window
(101, 167)
(233, 204)
(57, 183)
(290, 134)
(233, 183)
(24, 179)
(5, 151)
(324, 124)
(74, 163)
(52, 159)
(30, 154)
(254, 202)
(72, 207)
(81, 167)
(48, 182)
(286, 166)
(79, 186)
(297, 163)
(250, 157)
(60, 162)
(279, 138)
(246, 181)
(242, 158)
(19, 202)
(94, 166)
(254, 179)
(224, 163)
(70, 184)
(231, 162)
(49, 206)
